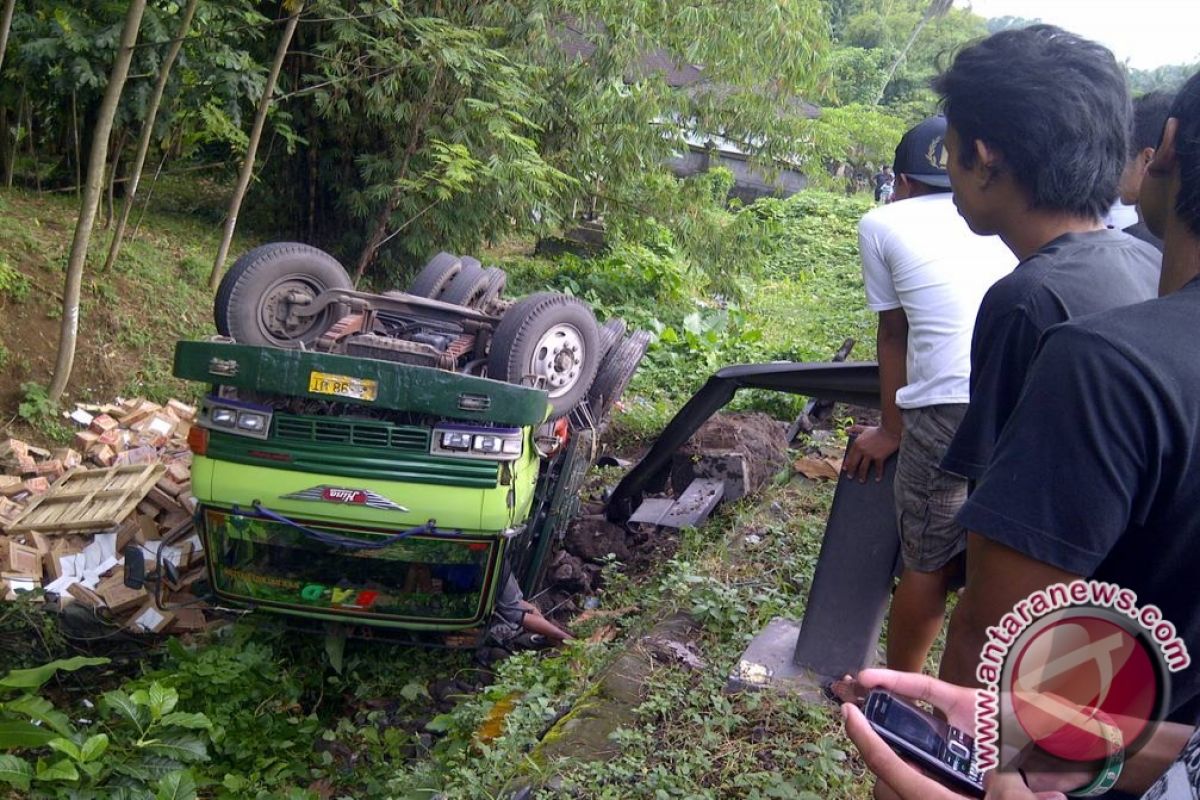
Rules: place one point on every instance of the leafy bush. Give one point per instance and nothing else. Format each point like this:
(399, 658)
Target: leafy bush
(13, 283)
(142, 751)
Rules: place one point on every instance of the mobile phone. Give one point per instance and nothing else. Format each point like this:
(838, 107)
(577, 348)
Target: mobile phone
(945, 752)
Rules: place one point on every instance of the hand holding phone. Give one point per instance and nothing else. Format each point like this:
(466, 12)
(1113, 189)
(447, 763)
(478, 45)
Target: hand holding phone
(945, 752)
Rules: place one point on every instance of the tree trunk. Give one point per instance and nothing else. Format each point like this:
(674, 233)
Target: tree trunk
(11, 164)
(78, 156)
(37, 173)
(112, 177)
(149, 194)
(139, 160)
(91, 200)
(936, 8)
(5, 25)
(260, 118)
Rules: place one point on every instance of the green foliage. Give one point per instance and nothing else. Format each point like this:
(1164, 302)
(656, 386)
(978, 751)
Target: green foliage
(860, 136)
(454, 124)
(13, 283)
(250, 695)
(37, 407)
(57, 66)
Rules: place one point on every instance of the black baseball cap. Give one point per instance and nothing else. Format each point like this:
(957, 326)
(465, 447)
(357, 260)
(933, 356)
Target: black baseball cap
(921, 154)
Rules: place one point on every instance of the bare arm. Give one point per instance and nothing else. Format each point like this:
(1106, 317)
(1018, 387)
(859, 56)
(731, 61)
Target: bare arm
(875, 445)
(997, 578)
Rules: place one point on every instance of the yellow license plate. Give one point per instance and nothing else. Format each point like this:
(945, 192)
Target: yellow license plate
(343, 386)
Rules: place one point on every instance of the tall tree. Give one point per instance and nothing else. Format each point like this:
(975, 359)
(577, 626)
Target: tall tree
(6, 26)
(260, 118)
(139, 161)
(91, 199)
(935, 9)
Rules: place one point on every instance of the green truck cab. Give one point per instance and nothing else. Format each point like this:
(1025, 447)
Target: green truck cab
(391, 497)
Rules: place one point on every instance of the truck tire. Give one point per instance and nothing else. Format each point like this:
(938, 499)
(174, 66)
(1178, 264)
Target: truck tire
(611, 332)
(497, 280)
(251, 304)
(434, 276)
(465, 288)
(615, 373)
(552, 337)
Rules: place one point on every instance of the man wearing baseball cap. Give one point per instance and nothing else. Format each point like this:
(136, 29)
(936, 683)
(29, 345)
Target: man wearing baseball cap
(925, 274)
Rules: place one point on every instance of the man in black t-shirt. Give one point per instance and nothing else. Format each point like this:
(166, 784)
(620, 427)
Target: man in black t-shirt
(1039, 167)
(1097, 473)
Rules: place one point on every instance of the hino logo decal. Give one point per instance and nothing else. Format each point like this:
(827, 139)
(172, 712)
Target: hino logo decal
(337, 494)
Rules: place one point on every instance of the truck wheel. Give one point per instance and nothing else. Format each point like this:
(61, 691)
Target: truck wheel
(615, 373)
(254, 302)
(434, 276)
(552, 337)
(465, 288)
(497, 280)
(611, 332)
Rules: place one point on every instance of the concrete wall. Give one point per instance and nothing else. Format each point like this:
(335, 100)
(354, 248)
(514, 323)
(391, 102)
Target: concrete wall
(748, 183)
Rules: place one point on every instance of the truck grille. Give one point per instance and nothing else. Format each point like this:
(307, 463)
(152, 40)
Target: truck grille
(357, 433)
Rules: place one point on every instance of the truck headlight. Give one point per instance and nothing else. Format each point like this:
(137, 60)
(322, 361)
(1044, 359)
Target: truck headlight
(456, 440)
(224, 417)
(236, 417)
(471, 441)
(250, 421)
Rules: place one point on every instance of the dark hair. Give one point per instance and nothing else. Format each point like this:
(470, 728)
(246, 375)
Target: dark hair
(1150, 112)
(1186, 109)
(1054, 104)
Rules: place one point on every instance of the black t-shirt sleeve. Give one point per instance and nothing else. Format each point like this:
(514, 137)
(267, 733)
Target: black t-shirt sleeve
(1001, 348)
(1066, 474)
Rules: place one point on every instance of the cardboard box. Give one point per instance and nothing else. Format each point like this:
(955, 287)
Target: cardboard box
(24, 560)
(163, 500)
(12, 449)
(9, 511)
(117, 596)
(182, 410)
(69, 457)
(179, 472)
(103, 423)
(85, 596)
(104, 455)
(127, 532)
(142, 454)
(150, 619)
(188, 620)
(37, 485)
(85, 440)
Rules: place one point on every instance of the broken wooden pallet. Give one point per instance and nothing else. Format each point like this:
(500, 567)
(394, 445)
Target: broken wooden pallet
(89, 500)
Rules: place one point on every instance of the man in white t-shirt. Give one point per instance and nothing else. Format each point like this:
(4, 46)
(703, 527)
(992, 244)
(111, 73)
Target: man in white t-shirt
(925, 274)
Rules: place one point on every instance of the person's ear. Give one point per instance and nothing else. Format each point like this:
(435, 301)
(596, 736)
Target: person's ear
(1146, 156)
(987, 162)
(1164, 158)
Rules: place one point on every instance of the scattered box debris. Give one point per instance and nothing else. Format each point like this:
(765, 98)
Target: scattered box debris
(68, 514)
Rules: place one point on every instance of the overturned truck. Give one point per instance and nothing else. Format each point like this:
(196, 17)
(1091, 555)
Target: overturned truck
(396, 463)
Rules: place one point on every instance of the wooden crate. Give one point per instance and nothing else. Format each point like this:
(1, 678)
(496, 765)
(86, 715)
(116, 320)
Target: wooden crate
(89, 499)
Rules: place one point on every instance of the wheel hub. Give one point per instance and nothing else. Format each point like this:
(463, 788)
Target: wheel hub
(277, 317)
(558, 358)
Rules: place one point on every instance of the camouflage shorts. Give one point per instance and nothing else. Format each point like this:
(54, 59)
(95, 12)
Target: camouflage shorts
(927, 497)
